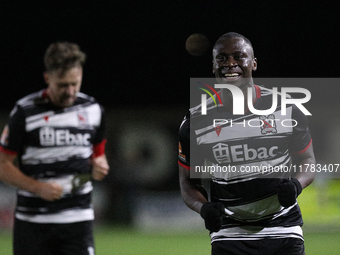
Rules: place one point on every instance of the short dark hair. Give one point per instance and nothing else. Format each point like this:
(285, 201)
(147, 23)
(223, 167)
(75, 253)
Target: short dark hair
(231, 35)
(63, 56)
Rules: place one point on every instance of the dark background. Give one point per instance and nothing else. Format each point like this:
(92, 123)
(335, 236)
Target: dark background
(136, 53)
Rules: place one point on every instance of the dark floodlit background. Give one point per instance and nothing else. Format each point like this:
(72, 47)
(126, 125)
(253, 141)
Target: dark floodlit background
(139, 70)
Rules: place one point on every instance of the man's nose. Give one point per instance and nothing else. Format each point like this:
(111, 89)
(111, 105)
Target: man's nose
(70, 90)
(230, 62)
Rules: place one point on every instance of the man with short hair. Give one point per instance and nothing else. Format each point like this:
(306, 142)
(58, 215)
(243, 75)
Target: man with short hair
(245, 212)
(57, 134)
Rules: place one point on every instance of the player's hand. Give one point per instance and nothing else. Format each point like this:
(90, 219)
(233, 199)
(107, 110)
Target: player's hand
(50, 191)
(100, 167)
(212, 213)
(288, 191)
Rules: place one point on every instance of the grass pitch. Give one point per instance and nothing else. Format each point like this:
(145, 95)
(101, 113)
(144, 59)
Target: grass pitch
(126, 241)
(320, 209)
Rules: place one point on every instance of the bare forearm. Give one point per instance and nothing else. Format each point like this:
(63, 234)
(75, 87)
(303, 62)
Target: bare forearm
(11, 175)
(305, 160)
(193, 198)
(305, 176)
(190, 191)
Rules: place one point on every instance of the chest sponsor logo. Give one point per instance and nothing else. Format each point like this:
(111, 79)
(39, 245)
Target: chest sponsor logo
(48, 136)
(224, 153)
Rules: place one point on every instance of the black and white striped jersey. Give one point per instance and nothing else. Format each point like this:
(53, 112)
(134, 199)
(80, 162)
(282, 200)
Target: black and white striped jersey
(240, 154)
(54, 144)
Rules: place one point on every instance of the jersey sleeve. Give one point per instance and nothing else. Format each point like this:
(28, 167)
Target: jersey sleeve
(184, 143)
(100, 133)
(99, 140)
(301, 138)
(13, 134)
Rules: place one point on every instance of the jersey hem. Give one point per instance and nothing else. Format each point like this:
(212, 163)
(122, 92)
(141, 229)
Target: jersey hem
(243, 233)
(69, 216)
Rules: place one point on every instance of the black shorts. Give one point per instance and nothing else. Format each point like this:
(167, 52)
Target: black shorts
(281, 246)
(52, 239)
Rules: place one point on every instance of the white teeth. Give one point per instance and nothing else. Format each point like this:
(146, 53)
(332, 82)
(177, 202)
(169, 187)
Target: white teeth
(231, 74)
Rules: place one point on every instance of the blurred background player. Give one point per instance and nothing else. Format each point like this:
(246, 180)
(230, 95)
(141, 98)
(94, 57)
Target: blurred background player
(57, 135)
(245, 214)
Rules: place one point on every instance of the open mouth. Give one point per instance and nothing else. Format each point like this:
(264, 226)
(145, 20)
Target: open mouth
(232, 76)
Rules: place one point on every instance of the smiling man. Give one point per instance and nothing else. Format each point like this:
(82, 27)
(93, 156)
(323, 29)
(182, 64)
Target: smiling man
(246, 212)
(233, 63)
(57, 135)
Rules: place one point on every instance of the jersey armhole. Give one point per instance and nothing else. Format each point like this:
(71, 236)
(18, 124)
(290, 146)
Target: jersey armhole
(9, 152)
(182, 165)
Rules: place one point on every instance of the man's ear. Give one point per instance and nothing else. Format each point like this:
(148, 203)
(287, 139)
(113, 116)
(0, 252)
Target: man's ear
(213, 66)
(254, 64)
(46, 77)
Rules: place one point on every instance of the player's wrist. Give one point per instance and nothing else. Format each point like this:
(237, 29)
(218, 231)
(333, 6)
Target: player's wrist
(212, 213)
(204, 208)
(288, 191)
(298, 186)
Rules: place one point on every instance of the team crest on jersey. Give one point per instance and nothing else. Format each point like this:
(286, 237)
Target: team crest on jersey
(221, 153)
(268, 124)
(83, 119)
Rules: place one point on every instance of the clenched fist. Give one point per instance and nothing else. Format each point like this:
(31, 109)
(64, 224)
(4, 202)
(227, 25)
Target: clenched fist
(100, 167)
(288, 191)
(50, 191)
